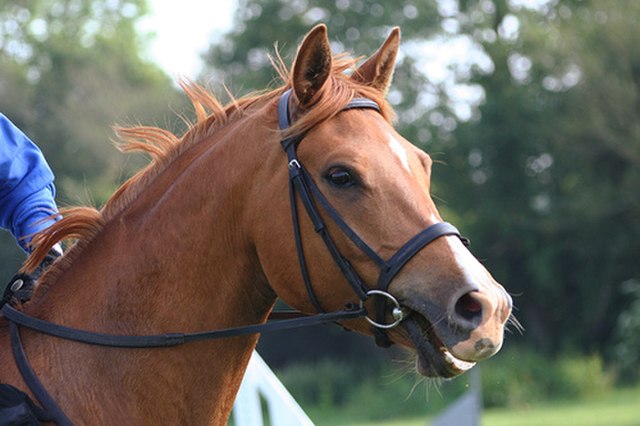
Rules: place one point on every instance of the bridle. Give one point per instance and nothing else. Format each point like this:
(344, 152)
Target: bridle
(301, 185)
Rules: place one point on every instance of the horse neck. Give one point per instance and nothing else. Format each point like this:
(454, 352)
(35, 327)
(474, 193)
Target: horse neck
(177, 259)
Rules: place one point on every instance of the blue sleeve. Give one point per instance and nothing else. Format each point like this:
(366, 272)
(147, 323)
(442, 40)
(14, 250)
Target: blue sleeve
(26, 185)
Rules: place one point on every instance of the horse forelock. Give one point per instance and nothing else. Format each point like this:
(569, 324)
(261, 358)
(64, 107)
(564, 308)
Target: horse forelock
(337, 92)
(83, 224)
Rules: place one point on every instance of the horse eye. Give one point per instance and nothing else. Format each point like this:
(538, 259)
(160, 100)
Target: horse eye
(340, 177)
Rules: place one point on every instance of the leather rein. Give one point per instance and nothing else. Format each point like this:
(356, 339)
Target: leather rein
(301, 185)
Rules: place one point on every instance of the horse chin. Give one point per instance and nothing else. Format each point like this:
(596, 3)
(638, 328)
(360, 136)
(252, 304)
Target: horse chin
(434, 359)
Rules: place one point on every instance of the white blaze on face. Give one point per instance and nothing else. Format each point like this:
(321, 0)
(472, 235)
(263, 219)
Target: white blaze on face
(398, 150)
(473, 271)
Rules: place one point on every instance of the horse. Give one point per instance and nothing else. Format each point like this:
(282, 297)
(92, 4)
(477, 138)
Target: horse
(208, 237)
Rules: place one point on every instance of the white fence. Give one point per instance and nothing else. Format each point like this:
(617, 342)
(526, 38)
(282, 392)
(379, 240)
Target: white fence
(466, 410)
(260, 383)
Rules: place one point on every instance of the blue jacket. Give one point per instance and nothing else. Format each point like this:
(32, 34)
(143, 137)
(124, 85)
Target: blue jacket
(26, 185)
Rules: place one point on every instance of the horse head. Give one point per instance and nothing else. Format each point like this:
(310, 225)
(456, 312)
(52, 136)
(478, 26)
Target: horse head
(378, 183)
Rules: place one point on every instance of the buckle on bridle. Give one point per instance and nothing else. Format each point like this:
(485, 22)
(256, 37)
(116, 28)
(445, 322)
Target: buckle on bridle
(397, 312)
(294, 164)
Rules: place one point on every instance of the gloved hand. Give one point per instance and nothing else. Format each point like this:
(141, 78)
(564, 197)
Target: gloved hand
(21, 286)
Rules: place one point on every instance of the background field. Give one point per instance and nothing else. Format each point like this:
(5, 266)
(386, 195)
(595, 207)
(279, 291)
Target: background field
(617, 408)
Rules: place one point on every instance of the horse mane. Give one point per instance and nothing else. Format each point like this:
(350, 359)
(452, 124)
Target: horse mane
(81, 225)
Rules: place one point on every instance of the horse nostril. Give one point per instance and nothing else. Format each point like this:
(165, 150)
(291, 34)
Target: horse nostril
(469, 308)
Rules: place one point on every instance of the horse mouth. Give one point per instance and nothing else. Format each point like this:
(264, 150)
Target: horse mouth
(434, 359)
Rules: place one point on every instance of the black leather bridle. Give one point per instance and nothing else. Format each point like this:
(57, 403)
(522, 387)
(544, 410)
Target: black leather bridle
(301, 185)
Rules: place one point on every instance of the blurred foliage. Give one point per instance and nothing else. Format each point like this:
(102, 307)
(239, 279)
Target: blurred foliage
(520, 377)
(241, 58)
(331, 391)
(626, 350)
(263, 27)
(546, 179)
(69, 70)
(517, 378)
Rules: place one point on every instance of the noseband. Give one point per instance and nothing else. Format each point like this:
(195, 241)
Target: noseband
(301, 183)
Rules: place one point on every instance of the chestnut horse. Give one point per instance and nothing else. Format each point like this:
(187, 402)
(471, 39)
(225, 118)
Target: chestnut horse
(203, 239)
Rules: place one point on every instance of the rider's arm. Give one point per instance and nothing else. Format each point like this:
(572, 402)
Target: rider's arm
(26, 185)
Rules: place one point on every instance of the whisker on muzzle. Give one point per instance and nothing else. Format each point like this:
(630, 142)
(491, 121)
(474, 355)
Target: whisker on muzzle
(513, 322)
(407, 368)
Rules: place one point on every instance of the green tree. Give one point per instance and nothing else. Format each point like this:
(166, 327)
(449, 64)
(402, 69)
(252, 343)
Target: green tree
(553, 163)
(241, 57)
(240, 60)
(69, 70)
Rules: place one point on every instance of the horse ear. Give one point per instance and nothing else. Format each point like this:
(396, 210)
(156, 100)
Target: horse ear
(312, 66)
(377, 71)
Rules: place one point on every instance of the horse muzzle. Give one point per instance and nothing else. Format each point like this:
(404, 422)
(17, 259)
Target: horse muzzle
(449, 341)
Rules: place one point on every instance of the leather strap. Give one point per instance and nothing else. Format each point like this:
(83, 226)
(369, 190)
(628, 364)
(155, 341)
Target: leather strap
(31, 379)
(171, 339)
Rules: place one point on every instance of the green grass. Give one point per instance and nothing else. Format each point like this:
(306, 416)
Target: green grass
(620, 407)
(616, 408)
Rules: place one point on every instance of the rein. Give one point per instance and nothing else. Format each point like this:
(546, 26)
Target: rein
(16, 318)
(301, 185)
(172, 339)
